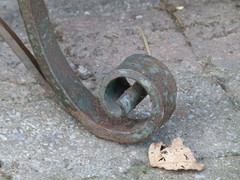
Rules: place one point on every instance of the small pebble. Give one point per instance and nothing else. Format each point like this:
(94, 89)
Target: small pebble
(139, 17)
(83, 72)
(191, 117)
(3, 137)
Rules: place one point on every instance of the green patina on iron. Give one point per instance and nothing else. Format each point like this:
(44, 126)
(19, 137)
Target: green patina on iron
(104, 117)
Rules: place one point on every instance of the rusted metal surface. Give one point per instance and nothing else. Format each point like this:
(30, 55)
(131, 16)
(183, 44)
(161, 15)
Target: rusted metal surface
(21, 51)
(131, 98)
(106, 117)
(154, 77)
(26, 57)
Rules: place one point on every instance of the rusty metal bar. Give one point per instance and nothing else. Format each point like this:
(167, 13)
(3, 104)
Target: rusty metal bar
(24, 55)
(20, 49)
(131, 98)
(99, 116)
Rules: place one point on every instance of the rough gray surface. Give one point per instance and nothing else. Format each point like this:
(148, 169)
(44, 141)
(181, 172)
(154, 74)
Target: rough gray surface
(38, 140)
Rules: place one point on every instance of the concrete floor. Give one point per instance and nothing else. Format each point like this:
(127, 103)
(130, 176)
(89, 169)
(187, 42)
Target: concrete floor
(38, 140)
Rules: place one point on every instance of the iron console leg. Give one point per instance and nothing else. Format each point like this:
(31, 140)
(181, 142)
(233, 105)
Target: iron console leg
(106, 117)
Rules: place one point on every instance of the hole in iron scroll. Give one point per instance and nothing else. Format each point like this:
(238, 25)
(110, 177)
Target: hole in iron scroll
(122, 98)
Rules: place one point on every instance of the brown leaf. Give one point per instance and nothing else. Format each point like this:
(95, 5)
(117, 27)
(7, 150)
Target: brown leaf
(174, 157)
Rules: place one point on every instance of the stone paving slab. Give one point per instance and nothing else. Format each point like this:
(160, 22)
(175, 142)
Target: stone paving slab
(38, 140)
(215, 38)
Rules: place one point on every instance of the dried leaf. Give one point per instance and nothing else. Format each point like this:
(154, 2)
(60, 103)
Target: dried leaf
(174, 157)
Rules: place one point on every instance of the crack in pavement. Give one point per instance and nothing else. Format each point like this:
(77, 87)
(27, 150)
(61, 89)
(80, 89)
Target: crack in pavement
(180, 27)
